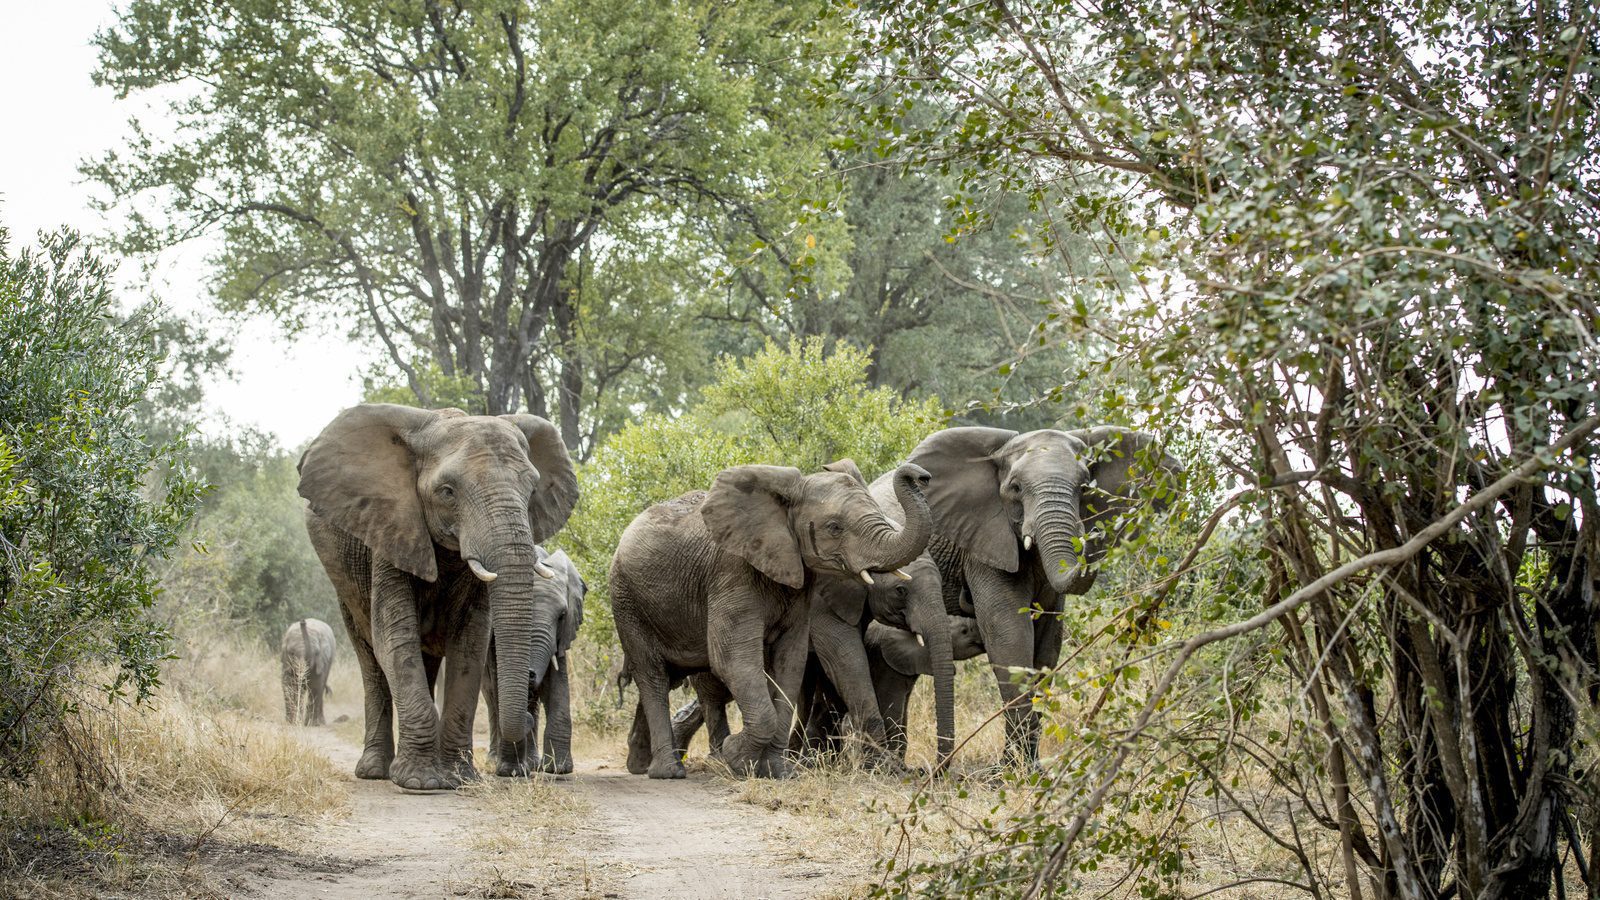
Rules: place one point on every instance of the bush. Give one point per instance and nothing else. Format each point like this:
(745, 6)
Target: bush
(86, 502)
(799, 405)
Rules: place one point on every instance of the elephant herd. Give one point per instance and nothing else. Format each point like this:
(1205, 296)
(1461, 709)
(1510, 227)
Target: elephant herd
(809, 599)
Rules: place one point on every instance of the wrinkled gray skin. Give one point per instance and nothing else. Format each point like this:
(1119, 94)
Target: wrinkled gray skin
(896, 659)
(717, 581)
(550, 688)
(404, 503)
(840, 668)
(306, 658)
(1022, 519)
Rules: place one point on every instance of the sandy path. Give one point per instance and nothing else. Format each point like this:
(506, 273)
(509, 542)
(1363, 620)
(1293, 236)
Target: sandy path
(643, 839)
(396, 844)
(685, 839)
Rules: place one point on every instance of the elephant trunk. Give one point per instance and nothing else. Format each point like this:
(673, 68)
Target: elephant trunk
(927, 618)
(524, 637)
(1058, 529)
(893, 549)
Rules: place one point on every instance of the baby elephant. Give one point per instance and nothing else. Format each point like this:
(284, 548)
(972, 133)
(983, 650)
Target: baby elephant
(307, 659)
(897, 658)
(548, 688)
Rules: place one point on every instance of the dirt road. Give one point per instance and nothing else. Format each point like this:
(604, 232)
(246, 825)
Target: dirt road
(636, 838)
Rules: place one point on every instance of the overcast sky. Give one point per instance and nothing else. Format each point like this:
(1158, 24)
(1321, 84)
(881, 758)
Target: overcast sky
(52, 116)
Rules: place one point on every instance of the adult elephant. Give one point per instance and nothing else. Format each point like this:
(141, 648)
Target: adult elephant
(716, 581)
(306, 657)
(548, 688)
(839, 676)
(1021, 520)
(427, 524)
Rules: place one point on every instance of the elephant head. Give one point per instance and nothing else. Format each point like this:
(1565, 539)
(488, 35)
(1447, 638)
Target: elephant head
(415, 485)
(997, 494)
(908, 656)
(574, 590)
(917, 606)
(785, 523)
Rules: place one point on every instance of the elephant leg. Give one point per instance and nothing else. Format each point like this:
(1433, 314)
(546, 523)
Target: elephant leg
(789, 654)
(715, 703)
(489, 684)
(556, 695)
(687, 721)
(654, 687)
(1008, 637)
(398, 644)
(319, 684)
(843, 656)
(736, 657)
(378, 743)
(464, 659)
(894, 695)
(639, 742)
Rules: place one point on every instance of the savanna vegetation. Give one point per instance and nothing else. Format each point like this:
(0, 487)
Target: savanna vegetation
(1340, 257)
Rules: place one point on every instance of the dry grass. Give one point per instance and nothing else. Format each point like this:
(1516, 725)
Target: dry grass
(532, 855)
(136, 797)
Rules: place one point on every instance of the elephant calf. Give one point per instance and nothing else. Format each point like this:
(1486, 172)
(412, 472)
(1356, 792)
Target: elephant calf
(549, 688)
(307, 658)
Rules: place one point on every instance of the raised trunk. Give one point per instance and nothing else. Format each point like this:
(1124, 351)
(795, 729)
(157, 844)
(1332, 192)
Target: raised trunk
(928, 619)
(895, 549)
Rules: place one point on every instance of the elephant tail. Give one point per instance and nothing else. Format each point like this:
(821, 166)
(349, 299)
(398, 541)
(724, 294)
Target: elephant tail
(623, 679)
(305, 639)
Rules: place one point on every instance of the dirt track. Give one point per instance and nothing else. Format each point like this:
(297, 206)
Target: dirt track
(643, 839)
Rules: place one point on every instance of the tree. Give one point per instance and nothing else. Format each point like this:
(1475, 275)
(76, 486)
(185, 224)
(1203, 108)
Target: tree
(86, 503)
(1358, 244)
(442, 172)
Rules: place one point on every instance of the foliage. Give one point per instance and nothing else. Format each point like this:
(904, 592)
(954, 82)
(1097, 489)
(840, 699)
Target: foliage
(446, 174)
(252, 565)
(1357, 243)
(80, 522)
(801, 405)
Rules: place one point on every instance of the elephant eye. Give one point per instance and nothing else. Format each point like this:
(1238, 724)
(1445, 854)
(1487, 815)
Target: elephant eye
(445, 492)
(834, 529)
(1013, 489)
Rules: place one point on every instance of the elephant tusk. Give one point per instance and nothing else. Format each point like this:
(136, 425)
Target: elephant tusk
(1027, 542)
(484, 575)
(555, 663)
(544, 570)
(901, 574)
(866, 577)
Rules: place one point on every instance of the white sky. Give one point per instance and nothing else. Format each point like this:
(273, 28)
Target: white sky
(51, 117)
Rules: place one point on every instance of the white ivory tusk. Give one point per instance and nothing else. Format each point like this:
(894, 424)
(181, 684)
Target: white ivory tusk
(555, 663)
(483, 574)
(544, 570)
(865, 577)
(1027, 542)
(901, 574)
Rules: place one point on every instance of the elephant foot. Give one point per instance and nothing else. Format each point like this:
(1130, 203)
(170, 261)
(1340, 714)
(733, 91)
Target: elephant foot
(741, 756)
(775, 764)
(374, 765)
(669, 768)
(464, 771)
(551, 765)
(638, 758)
(422, 774)
(511, 768)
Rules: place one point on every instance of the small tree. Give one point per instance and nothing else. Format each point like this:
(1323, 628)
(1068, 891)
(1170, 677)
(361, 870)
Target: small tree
(86, 503)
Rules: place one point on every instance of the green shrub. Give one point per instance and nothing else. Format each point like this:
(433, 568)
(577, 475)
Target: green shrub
(86, 502)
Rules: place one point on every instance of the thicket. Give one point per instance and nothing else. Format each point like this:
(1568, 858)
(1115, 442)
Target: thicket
(88, 505)
(1356, 245)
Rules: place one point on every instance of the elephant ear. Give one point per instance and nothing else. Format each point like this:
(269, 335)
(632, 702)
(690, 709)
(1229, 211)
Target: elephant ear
(557, 491)
(575, 591)
(899, 648)
(747, 514)
(360, 475)
(1125, 466)
(847, 466)
(964, 492)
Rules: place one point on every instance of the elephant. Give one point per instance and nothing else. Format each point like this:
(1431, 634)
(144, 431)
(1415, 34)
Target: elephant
(717, 581)
(550, 688)
(427, 522)
(306, 658)
(1020, 520)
